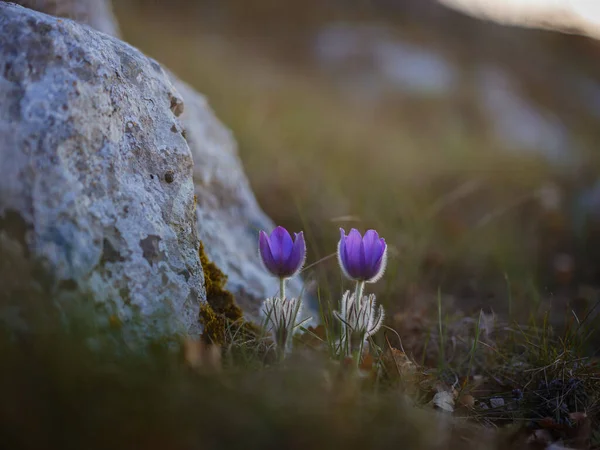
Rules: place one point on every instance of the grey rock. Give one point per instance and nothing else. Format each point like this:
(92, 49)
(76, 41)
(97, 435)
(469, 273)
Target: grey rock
(228, 215)
(95, 175)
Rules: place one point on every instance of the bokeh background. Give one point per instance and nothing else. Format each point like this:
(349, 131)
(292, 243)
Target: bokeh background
(471, 147)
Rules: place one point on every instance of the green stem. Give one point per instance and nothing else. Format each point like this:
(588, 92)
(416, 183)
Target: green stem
(360, 287)
(282, 288)
(362, 340)
(283, 337)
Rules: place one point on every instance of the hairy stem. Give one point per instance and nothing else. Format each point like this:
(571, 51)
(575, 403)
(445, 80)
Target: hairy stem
(282, 289)
(358, 292)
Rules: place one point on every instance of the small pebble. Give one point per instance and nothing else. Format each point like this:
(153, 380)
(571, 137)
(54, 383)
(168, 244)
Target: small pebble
(496, 402)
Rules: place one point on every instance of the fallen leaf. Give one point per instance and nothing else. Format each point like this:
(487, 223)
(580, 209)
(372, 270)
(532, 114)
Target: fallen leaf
(403, 363)
(444, 400)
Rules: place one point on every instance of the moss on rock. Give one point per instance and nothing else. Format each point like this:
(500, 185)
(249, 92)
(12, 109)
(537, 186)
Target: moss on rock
(220, 299)
(221, 312)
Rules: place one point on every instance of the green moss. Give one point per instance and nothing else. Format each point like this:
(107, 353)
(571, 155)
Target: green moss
(221, 312)
(220, 299)
(214, 325)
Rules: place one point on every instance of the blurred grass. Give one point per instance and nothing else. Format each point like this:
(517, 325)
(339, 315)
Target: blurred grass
(453, 206)
(72, 378)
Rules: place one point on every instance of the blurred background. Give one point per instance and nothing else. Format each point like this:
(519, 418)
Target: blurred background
(471, 147)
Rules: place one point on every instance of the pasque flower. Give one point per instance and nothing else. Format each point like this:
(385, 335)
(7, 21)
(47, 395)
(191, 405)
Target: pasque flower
(281, 255)
(362, 258)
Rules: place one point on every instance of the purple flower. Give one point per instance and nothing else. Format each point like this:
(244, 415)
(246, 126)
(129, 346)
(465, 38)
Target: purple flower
(362, 258)
(280, 255)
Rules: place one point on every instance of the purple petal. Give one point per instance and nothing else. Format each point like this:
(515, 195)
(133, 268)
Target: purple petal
(281, 245)
(380, 264)
(297, 256)
(363, 267)
(353, 253)
(345, 263)
(381, 252)
(379, 248)
(265, 251)
(362, 258)
(372, 247)
(342, 260)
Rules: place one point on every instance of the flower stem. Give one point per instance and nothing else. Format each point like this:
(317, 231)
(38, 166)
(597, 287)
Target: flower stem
(360, 287)
(282, 289)
(358, 292)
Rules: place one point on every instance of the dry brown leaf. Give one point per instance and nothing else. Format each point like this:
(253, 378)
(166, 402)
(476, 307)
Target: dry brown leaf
(403, 363)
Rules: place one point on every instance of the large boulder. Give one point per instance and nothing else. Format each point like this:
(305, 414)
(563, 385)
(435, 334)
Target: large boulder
(228, 215)
(96, 174)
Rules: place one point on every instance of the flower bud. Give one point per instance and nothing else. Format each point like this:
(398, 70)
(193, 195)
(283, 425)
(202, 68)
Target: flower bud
(281, 255)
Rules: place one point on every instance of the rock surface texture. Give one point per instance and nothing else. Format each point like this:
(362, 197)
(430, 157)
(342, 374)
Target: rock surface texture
(96, 175)
(228, 215)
